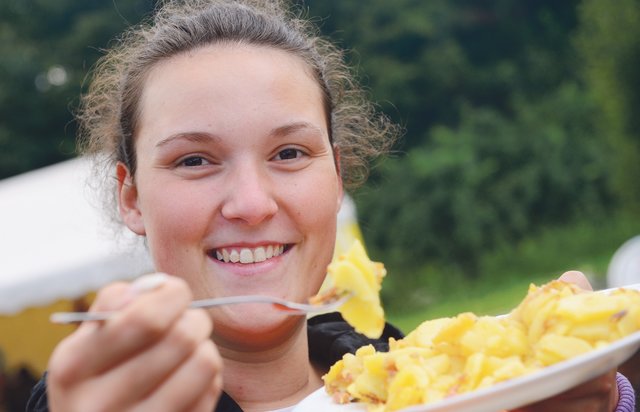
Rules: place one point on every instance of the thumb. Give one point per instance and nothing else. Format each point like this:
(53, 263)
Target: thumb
(120, 294)
(578, 278)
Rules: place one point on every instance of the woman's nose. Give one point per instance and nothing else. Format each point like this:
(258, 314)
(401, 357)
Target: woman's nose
(249, 196)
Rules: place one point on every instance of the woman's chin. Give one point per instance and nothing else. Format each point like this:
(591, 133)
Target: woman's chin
(254, 325)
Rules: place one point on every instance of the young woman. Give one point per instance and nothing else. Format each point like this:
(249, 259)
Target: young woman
(229, 130)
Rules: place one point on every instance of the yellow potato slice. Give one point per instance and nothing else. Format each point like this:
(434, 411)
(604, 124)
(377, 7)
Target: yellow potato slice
(355, 274)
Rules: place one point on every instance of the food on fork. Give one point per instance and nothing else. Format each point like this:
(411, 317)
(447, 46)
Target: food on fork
(355, 274)
(449, 356)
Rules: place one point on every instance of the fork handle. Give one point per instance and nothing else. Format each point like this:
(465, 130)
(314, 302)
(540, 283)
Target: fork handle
(77, 317)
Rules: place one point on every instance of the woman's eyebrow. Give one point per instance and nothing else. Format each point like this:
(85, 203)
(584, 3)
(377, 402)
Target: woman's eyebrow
(295, 127)
(199, 137)
(204, 137)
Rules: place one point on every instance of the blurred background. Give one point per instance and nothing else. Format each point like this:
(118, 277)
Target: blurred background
(520, 157)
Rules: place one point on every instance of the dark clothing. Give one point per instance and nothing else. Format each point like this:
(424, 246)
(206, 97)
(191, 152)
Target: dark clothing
(330, 337)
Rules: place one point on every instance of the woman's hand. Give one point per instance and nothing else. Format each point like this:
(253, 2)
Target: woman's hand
(597, 395)
(154, 354)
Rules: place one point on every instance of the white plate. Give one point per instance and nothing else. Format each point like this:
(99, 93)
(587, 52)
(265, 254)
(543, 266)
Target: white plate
(513, 393)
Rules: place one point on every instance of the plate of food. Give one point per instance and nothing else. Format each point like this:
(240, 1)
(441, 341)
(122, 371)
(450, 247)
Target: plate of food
(509, 394)
(558, 337)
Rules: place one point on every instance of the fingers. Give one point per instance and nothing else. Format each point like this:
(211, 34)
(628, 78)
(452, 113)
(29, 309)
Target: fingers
(195, 385)
(142, 322)
(161, 360)
(154, 351)
(68, 358)
(600, 387)
(578, 278)
(597, 395)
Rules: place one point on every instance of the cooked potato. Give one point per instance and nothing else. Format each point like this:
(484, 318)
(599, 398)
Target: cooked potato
(448, 356)
(355, 274)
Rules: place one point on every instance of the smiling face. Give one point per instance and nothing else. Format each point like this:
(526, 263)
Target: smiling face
(236, 187)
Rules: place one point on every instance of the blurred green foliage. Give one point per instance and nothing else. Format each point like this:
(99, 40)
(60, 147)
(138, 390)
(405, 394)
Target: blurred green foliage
(608, 41)
(520, 115)
(490, 181)
(424, 61)
(47, 49)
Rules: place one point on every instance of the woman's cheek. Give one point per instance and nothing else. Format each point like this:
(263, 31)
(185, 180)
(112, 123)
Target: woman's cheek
(175, 221)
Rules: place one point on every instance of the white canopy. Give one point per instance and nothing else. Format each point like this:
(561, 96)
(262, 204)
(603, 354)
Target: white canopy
(54, 241)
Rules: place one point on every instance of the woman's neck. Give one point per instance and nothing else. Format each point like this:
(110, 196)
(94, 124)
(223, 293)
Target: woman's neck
(271, 379)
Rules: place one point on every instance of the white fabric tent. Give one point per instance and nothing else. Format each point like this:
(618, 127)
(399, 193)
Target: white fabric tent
(54, 241)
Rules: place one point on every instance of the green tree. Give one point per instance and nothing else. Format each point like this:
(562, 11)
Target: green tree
(499, 134)
(425, 60)
(47, 48)
(608, 40)
(490, 181)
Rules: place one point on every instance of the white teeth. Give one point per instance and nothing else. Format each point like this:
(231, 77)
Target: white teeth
(246, 255)
(259, 255)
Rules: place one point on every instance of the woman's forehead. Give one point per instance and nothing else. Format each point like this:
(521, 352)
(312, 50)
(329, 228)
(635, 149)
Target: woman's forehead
(229, 84)
(234, 57)
(231, 68)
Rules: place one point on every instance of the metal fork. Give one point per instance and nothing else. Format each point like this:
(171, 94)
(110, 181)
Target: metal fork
(290, 308)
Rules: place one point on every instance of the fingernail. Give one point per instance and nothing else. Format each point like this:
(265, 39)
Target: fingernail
(148, 282)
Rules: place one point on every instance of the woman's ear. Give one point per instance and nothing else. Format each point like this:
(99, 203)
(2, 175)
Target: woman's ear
(128, 200)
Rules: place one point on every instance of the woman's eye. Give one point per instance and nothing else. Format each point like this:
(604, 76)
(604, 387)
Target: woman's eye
(288, 154)
(193, 161)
